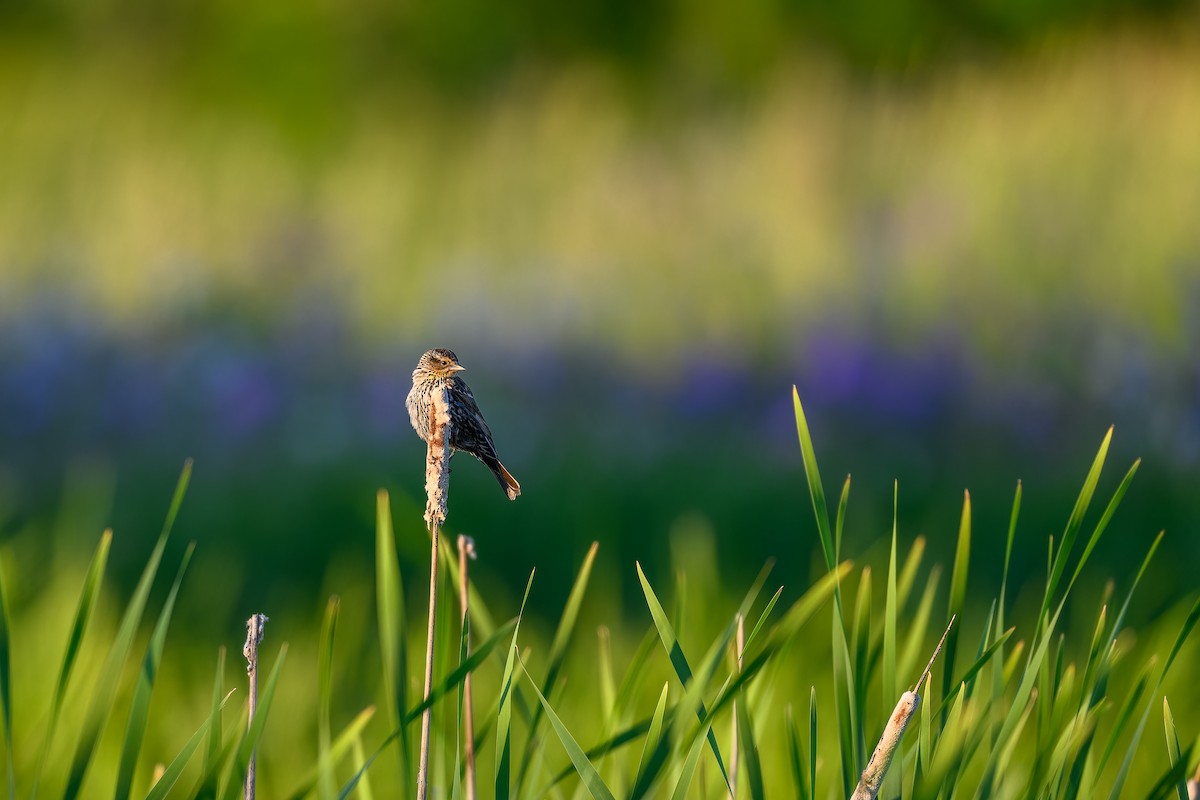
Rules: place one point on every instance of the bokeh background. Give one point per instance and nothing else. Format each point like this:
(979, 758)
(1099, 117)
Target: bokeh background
(969, 235)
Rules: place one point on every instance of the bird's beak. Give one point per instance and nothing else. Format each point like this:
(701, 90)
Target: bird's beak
(457, 368)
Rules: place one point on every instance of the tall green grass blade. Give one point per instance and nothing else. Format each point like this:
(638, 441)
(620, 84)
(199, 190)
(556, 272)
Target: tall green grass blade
(861, 634)
(1074, 523)
(998, 667)
(1182, 637)
(139, 711)
(762, 618)
(812, 742)
(608, 683)
(504, 714)
(914, 647)
(1119, 782)
(729, 690)
(653, 738)
(796, 757)
(349, 739)
(558, 652)
(1021, 699)
(890, 611)
(1173, 754)
(815, 490)
(1165, 788)
(840, 524)
(980, 662)
(1131, 701)
(847, 717)
(749, 748)
(1098, 531)
(364, 790)
(1007, 749)
(393, 629)
(326, 781)
(892, 779)
(213, 745)
(1095, 673)
(583, 765)
(211, 782)
(1119, 621)
(631, 682)
(808, 604)
(689, 765)
(106, 684)
(679, 660)
(908, 573)
(83, 613)
(637, 731)
(452, 681)
(6, 687)
(958, 594)
(1188, 624)
(166, 782)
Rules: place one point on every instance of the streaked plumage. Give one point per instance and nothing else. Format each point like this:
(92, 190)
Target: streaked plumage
(437, 371)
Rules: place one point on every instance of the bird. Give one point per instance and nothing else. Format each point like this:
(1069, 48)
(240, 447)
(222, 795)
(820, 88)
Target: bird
(437, 370)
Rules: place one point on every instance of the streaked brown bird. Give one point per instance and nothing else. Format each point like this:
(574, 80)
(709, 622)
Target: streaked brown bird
(437, 371)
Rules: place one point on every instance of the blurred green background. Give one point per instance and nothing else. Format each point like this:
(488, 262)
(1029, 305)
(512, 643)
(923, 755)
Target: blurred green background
(968, 234)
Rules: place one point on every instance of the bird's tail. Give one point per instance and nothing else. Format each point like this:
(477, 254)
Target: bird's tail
(507, 481)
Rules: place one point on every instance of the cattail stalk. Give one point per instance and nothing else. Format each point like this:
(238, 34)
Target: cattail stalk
(254, 636)
(889, 742)
(437, 488)
(466, 551)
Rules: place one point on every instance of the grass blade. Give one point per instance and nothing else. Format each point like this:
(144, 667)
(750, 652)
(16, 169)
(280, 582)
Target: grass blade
(345, 741)
(908, 573)
(213, 747)
(891, 785)
(812, 742)
(653, 738)
(1098, 531)
(796, 757)
(583, 765)
(106, 685)
(83, 613)
(1173, 755)
(139, 711)
(974, 669)
(1074, 523)
(171, 774)
(558, 652)
(504, 714)
(679, 660)
(815, 490)
(689, 765)
(808, 604)
(958, 593)
(393, 630)
(328, 786)
(638, 730)
(749, 748)
(467, 666)
(762, 618)
(840, 523)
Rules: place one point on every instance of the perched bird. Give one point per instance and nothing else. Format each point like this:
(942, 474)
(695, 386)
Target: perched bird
(437, 371)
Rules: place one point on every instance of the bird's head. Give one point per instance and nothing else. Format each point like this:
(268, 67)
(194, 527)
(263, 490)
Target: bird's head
(440, 362)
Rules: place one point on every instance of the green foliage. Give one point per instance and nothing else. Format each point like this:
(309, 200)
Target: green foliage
(1037, 709)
